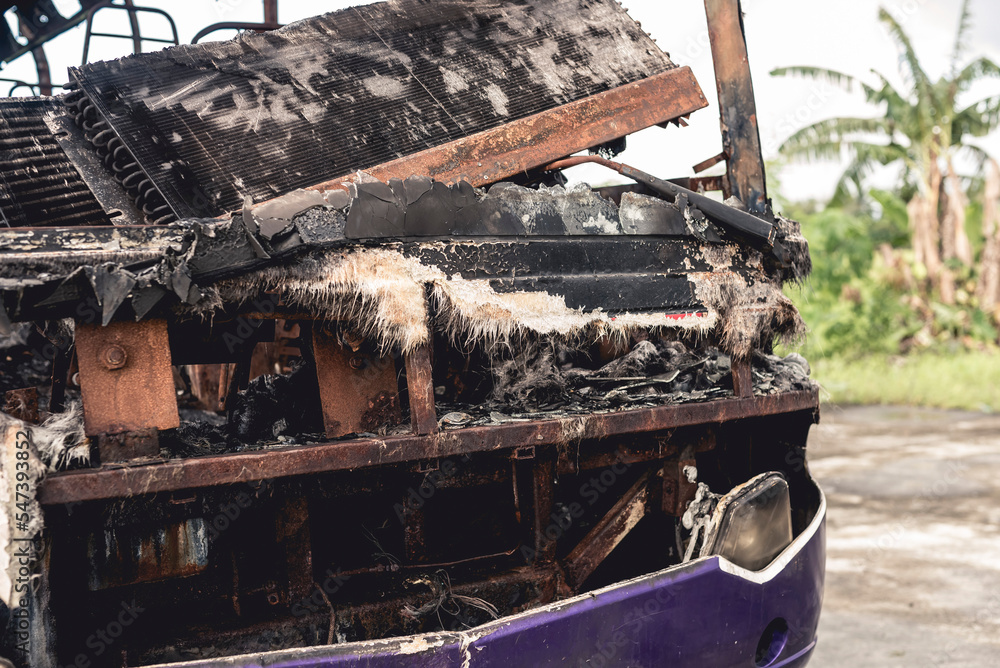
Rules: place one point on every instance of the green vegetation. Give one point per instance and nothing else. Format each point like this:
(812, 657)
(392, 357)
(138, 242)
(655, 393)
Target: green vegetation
(966, 380)
(904, 300)
(922, 130)
(873, 339)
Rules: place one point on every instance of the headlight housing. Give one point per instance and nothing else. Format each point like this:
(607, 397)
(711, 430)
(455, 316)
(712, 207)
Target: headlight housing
(752, 524)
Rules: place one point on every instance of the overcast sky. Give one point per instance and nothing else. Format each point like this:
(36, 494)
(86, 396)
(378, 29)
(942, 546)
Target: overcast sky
(843, 35)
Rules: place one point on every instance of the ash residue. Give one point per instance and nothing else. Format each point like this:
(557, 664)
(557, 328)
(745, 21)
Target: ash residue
(275, 406)
(773, 374)
(550, 376)
(551, 380)
(25, 358)
(200, 433)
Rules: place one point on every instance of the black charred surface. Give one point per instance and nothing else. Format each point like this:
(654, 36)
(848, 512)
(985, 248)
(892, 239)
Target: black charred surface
(551, 379)
(274, 406)
(599, 257)
(623, 293)
(420, 207)
(264, 114)
(569, 242)
(39, 186)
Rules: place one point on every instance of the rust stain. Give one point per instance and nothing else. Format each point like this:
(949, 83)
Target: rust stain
(499, 153)
(125, 377)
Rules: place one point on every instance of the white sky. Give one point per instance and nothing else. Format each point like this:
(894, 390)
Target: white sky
(843, 35)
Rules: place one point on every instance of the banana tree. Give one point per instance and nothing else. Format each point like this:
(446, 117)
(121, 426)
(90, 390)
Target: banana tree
(922, 129)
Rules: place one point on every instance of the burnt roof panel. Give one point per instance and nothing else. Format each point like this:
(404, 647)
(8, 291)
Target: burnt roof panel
(264, 114)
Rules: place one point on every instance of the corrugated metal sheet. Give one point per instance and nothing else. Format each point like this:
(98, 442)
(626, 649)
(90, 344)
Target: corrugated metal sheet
(265, 114)
(39, 186)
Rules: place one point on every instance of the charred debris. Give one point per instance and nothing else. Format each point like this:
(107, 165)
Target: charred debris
(373, 317)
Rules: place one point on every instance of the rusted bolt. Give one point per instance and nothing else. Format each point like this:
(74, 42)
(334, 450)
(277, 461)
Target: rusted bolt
(114, 357)
(357, 362)
(273, 599)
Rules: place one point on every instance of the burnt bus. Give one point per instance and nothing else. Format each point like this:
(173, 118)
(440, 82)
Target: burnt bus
(312, 356)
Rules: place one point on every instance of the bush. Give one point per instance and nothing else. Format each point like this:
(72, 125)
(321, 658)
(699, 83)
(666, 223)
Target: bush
(863, 297)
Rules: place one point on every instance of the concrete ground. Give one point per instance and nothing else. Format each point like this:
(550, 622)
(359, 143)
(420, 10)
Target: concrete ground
(913, 552)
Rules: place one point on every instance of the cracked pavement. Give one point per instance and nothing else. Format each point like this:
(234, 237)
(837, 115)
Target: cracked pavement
(913, 537)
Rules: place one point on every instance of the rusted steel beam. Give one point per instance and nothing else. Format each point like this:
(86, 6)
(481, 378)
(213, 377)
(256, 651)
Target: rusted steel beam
(110, 483)
(130, 555)
(358, 391)
(705, 184)
(128, 445)
(528, 143)
(543, 495)
(209, 386)
(293, 534)
(715, 211)
(740, 135)
(420, 387)
(271, 12)
(126, 379)
(709, 163)
(608, 533)
(44, 73)
(742, 378)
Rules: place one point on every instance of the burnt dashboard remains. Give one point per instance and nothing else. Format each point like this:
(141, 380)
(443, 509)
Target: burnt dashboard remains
(309, 341)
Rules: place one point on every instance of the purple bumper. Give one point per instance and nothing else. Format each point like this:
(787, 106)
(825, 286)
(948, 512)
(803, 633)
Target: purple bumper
(705, 613)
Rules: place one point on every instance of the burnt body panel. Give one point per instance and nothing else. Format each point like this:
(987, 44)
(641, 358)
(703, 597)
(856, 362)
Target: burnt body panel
(356, 88)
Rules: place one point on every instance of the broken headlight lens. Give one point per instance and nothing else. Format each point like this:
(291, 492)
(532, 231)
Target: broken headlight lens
(752, 523)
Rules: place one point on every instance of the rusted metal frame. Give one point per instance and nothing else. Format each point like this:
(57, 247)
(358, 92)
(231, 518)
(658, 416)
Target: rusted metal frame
(678, 490)
(414, 534)
(660, 448)
(208, 385)
(124, 446)
(136, 33)
(740, 134)
(715, 211)
(271, 12)
(133, 23)
(742, 378)
(127, 384)
(709, 163)
(293, 533)
(420, 388)
(599, 542)
(527, 143)
(543, 476)
(358, 391)
(705, 184)
(109, 483)
(423, 421)
(44, 73)
(378, 617)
